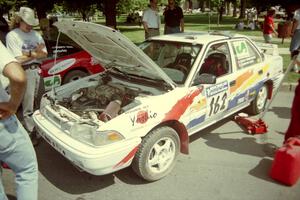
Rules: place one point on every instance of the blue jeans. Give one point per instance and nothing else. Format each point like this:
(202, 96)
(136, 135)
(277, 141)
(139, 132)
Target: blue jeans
(170, 30)
(29, 97)
(17, 151)
(295, 42)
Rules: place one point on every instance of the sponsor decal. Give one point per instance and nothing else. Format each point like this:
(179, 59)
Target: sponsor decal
(199, 105)
(241, 49)
(142, 117)
(181, 105)
(52, 81)
(196, 121)
(216, 89)
(61, 66)
(61, 49)
(241, 80)
(129, 156)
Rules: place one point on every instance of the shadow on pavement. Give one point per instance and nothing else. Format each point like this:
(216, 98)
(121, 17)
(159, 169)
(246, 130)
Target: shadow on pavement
(247, 145)
(61, 173)
(281, 112)
(262, 170)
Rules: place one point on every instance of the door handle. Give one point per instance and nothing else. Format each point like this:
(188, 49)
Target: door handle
(232, 83)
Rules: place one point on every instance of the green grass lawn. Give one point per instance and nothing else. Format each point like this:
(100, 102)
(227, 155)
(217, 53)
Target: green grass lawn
(200, 22)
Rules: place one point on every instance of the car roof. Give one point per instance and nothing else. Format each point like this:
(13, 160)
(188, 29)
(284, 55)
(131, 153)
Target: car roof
(198, 37)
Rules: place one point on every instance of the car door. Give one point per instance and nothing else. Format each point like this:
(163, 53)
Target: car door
(249, 71)
(210, 106)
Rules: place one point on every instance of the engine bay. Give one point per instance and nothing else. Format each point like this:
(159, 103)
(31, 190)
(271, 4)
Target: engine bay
(103, 101)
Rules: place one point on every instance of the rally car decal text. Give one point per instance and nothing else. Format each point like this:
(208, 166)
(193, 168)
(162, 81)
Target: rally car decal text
(142, 117)
(217, 104)
(61, 66)
(218, 88)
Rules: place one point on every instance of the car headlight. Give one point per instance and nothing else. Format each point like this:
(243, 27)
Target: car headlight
(44, 102)
(89, 134)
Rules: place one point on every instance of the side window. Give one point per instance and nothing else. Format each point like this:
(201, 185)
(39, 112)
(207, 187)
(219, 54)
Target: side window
(245, 55)
(217, 60)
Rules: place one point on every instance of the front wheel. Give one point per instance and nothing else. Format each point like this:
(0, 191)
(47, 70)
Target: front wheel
(74, 75)
(157, 154)
(259, 103)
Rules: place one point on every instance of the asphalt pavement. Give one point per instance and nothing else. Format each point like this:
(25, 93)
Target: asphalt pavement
(225, 163)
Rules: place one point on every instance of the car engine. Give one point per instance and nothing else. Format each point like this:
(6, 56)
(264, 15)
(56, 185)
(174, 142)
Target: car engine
(104, 101)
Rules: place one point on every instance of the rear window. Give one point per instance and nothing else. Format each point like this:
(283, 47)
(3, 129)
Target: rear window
(245, 54)
(65, 46)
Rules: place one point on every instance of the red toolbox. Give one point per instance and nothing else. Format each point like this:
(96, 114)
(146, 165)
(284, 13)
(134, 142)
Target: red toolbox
(286, 164)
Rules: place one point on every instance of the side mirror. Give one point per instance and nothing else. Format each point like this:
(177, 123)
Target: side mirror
(205, 79)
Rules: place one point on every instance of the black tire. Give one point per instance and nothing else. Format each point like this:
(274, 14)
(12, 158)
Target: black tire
(160, 145)
(74, 75)
(259, 103)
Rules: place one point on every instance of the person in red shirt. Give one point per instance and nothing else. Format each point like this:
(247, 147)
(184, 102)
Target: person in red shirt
(268, 27)
(294, 126)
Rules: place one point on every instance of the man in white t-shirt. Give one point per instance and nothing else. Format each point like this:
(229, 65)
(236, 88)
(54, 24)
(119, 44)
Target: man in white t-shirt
(28, 47)
(295, 42)
(16, 149)
(151, 20)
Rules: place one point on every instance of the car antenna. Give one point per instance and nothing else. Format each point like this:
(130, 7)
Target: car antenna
(55, 58)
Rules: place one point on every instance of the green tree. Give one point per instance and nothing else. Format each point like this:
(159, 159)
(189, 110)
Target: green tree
(128, 6)
(42, 7)
(86, 8)
(7, 5)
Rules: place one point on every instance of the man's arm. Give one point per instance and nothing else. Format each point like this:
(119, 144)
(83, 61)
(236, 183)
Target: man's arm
(182, 25)
(17, 78)
(294, 26)
(144, 20)
(36, 53)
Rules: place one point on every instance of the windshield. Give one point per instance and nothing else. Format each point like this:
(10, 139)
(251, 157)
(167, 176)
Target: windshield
(174, 58)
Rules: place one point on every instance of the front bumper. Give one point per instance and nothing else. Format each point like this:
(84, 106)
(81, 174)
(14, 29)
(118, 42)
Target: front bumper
(94, 160)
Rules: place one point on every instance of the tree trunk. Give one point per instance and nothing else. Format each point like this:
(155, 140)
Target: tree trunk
(234, 14)
(202, 5)
(228, 8)
(41, 11)
(110, 13)
(242, 9)
(221, 11)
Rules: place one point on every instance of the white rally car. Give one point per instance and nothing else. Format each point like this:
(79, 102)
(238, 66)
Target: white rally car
(143, 108)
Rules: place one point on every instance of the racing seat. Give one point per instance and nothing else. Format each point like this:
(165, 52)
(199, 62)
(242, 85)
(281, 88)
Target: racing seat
(183, 62)
(184, 59)
(214, 64)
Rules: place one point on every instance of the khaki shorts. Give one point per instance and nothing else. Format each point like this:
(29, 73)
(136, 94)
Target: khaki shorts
(268, 38)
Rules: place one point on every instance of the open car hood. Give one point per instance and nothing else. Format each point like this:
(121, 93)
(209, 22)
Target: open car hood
(111, 47)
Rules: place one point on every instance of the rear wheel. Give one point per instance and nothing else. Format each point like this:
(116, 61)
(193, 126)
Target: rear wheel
(157, 154)
(74, 75)
(259, 103)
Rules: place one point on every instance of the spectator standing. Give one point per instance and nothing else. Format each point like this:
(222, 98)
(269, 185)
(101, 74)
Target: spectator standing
(151, 20)
(294, 126)
(174, 22)
(4, 28)
(295, 32)
(268, 27)
(16, 149)
(27, 46)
